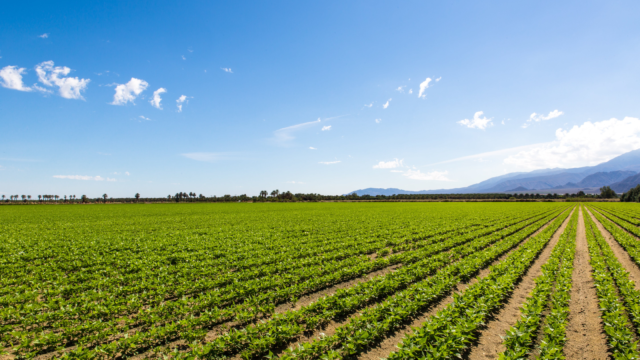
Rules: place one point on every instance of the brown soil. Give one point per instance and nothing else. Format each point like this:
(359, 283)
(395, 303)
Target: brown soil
(490, 342)
(627, 263)
(585, 335)
(391, 343)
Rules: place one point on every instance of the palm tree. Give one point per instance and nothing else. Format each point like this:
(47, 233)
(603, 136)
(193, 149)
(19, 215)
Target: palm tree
(39, 197)
(3, 196)
(264, 193)
(137, 197)
(275, 192)
(104, 196)
(29, 197)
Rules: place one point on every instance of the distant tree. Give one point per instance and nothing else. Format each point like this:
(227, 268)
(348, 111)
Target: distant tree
(104, 196)
(24, 197)
(275, 193)
(580, 193)
(3, 196)
(137, 197)
(607, 193)
(264, 193)
(84, 198)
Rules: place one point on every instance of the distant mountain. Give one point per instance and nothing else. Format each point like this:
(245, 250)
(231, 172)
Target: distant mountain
(626, 184)
(519, 188)
(610, 172)
(600, 179)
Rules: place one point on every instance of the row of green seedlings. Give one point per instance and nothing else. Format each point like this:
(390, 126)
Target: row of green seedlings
(194, 329)
(451, 331)
(624, 222)
(612, 282)
(520, 338)
(283, 328)
(49, 340)
(625, 285)
(94, 301)
(374, 323)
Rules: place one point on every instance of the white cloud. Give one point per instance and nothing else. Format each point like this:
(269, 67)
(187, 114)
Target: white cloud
(68, 87)
(389, 164)
(386, 105)
(155, 102)
(378, 121)
(329, 162)
(12, 78)
(434, 175)
(286, 133)
(79, 177)
(206, 156)
(227, 70)
(127, 173)
(312, 148)
(144, 118)
(584, 145)
(541, 117)
(401, 88)
(410, 91)
(110, 179)
(438, 79)
(44, 36)
(368, 105)
(423, 86)
(184, 58)
(180, 101)
(128, 92)
(326, 128)
(477, 122)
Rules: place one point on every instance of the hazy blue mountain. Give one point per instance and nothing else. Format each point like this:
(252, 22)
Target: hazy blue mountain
(612, 171)
(601, 179)
(626, 184)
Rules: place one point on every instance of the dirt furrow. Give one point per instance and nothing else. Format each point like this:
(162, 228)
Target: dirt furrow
(391, 343)
(585, 335)
(622, 255)
(490, 339)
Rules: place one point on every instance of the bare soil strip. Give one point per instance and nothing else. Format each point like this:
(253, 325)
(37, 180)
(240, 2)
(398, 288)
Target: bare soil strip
(585, 335)
(624, 258)
(391, 343)
(490, 340)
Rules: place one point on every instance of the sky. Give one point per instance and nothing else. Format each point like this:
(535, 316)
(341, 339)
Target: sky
(325, 97)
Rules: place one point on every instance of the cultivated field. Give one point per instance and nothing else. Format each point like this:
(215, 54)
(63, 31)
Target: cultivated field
(321, 281)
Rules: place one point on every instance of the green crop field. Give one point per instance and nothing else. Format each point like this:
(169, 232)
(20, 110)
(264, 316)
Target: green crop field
(317, 280)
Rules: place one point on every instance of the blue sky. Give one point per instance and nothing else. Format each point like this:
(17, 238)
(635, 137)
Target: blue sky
(310, 96)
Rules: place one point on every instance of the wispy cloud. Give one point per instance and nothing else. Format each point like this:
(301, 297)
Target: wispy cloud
(127, 173)
(155, 102)
(286, 133)
(184, 58)
(434, 175)
(368, 105)
(79, 177)
(423, 86)
(68, 87)
(378, 121)
(44, 36)
(438, 79)
(389, 164)
(312, 148)
(144, 118)
(410, 91)
(12, 78)
(181, 100)
(128, 92)
(386, 105)
(326, 128)
(541, 117)
(401, 88)
(227, 70)
(329, 162)
(478, 122)
(110, 179)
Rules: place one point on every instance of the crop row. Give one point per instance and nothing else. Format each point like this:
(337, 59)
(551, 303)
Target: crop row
(610, 279)
(449, 333)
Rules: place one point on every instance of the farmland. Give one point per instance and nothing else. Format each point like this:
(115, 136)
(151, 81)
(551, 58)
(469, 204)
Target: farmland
(321, 281)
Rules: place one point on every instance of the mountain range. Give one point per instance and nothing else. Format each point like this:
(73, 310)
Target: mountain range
(620, 173)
